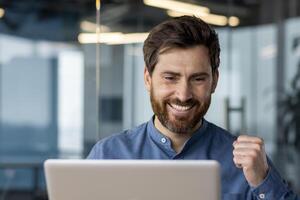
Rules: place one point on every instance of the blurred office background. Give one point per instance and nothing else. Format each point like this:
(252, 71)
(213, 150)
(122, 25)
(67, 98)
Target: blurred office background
(60, 92)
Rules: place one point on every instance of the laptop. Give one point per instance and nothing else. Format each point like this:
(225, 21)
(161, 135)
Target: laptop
(132, 179)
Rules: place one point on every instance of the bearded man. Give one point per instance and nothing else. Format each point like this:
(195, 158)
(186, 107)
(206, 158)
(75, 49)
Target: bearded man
(182, 56)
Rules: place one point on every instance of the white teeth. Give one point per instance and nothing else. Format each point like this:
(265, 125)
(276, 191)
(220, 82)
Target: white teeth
(181, 108)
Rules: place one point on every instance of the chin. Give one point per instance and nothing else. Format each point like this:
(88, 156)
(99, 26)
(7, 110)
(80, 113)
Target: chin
(182, 126)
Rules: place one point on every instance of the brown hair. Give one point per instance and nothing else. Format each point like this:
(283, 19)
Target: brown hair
(182, 32)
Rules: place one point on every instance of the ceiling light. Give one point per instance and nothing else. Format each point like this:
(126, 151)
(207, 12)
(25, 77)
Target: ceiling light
(98, 4)
(112, 38)
(219, 20)
(233, 21)
(91, 27)
(178, 6)
(85, 38)
(2, 12)
(130, 38)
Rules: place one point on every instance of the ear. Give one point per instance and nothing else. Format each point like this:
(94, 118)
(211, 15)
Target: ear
(215, 80)
(147, 79)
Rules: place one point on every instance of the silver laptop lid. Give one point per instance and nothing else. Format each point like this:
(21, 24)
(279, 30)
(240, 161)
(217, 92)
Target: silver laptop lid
(132, 180)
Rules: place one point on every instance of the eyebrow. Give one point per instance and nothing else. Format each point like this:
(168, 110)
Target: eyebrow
(202, 74)
(171, 73)
(192, 76)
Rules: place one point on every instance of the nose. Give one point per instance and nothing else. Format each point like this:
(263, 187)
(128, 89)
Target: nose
(184, 91)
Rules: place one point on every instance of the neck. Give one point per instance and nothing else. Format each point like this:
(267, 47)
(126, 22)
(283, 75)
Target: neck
(177, 139)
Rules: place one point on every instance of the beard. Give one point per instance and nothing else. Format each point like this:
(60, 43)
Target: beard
(179, 124)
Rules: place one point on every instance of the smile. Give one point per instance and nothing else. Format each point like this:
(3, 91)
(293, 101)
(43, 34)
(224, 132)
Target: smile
(180, 108)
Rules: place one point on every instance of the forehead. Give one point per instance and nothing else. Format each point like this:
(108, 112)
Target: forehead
(184, 59)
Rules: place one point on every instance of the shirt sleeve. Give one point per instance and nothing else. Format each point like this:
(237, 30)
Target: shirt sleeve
(96, 152)
(273, 187)
(92, 154)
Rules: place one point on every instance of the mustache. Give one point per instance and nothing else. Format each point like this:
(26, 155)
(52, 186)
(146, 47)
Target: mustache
(189, 102)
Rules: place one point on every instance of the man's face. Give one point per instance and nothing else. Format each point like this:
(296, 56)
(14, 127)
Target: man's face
(180, 87)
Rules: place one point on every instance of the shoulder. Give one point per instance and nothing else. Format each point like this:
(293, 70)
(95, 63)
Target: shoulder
(220, 143)
(220, 135)
(124, 136)
(117, 142)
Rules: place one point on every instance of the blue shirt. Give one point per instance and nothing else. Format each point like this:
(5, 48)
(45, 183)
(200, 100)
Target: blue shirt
(209, 142)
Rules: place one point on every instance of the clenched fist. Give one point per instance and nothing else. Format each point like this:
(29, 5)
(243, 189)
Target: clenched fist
(249, 154)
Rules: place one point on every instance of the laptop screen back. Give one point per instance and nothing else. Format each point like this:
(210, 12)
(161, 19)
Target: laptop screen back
(132, 180)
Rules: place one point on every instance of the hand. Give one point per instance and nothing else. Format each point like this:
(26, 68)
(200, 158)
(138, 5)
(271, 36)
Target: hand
(249, 154)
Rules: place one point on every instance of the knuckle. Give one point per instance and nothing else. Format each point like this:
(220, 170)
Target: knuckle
(260, 141)
(258, 147)
(240, 137)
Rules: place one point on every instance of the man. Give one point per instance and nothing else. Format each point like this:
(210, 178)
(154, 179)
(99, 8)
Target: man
(181, 74)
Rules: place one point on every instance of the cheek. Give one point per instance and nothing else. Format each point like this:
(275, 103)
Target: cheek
(162, 91)
(202, 93)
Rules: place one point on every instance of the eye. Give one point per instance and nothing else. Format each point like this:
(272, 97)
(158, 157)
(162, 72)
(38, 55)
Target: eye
(199, 79)
(170, 78)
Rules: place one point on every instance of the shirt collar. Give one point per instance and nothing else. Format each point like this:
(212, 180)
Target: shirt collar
(165, 142)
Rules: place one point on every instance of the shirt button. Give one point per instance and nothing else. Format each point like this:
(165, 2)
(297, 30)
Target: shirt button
(262, 196)
(163, 140)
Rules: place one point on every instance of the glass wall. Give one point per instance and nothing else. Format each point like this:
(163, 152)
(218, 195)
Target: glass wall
(41, 107)
(52, 107)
